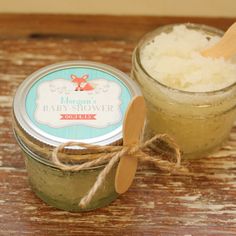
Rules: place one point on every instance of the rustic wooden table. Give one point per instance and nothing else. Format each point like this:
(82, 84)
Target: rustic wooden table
(156, 204)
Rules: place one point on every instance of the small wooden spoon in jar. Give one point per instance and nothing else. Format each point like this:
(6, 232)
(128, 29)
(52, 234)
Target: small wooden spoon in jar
(226, 47)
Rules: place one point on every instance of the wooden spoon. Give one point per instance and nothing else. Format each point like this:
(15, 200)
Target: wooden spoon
(226, 47)
(132, 130)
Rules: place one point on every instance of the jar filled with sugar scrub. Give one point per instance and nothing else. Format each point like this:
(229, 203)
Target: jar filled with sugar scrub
(188, 96)
(71, 101)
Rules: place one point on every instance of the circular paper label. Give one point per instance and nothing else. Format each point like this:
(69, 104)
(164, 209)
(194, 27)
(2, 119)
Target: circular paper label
(77, 103)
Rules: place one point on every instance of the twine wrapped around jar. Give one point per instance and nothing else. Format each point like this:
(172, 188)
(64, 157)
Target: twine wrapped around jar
(160, 150)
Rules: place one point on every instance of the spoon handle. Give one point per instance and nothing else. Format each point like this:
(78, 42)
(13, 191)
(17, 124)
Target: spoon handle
(226, 47)
(132, 130)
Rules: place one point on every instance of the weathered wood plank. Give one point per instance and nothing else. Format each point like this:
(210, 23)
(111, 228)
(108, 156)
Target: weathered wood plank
(90, 28)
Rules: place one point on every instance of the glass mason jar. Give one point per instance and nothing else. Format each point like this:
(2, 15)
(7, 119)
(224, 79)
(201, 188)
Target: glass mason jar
(65, 189)
(70, 101)
(198, 121)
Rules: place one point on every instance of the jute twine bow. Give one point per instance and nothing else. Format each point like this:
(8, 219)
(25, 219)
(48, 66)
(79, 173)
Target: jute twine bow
(145, 152)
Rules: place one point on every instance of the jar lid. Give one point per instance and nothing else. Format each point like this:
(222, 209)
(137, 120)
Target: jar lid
(75, 100)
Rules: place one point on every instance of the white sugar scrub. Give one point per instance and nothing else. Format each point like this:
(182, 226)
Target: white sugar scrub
(190, 97)
(174, 59)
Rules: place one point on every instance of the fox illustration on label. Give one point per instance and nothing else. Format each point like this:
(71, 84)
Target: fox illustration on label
(82, 84)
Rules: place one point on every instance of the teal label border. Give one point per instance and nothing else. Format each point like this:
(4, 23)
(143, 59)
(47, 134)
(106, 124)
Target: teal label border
(76, 132)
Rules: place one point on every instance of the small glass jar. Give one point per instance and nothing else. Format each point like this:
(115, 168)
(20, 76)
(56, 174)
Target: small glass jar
(198, 121)
(70, 101)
